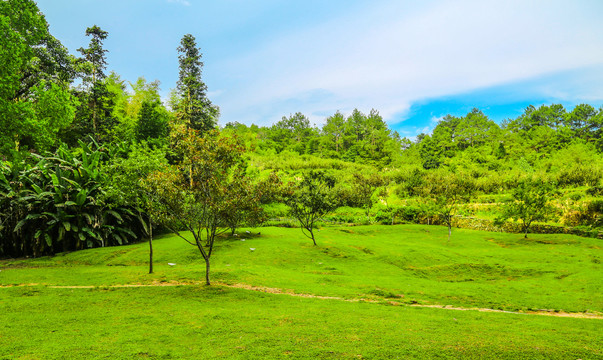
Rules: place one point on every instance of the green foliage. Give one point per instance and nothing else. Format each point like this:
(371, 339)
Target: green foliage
(530, 204)
(200, 193)
(152, 122)
(293, 133)
(311, 198)
(59, 204)
(125, 175)
(193, 108)
(430, 153)
(94, 116)
(94, 58)
(40, 109)
(35, 71)
(391, 215)
(365, 187)
(444, 192)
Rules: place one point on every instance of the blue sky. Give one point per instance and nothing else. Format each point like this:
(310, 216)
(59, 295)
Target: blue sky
(412, 61)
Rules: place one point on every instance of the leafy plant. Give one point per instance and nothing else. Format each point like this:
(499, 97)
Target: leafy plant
(530, 204)
(58, 204)
(197, 193)
(311, 198)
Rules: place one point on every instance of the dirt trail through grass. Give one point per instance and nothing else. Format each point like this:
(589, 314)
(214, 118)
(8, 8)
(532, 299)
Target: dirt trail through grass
(289, 292)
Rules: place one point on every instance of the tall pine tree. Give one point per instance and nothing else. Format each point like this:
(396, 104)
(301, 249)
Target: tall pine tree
(193, 107)
(94, 115)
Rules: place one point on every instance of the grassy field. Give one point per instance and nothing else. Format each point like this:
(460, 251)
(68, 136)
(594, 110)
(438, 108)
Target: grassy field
(347, 290)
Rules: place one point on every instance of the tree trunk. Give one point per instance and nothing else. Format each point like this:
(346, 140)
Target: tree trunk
(313, 240)
(150, 246)
(449, 231)
(207, 272)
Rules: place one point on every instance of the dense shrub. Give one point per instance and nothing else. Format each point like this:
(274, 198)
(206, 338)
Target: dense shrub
(398, 214)
(59, 204)
(595, 191)
(575, 196)
(579, 176)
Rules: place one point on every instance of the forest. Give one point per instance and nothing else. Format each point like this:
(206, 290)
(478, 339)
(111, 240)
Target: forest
(89, 159)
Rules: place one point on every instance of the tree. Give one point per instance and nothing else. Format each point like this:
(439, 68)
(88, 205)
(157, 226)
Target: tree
(584, 121)
(292, 133)
(444, 193)
(245, 205)
(474, 129)
(530, 204)
(152, 123)
(377, 133)
(35, 73)
(94, 116)
(193, 107)
(311, 199)
(125, 184)
(333, 130)
(130, 125)
(431, 153)
(94, 58)
(365, 186)
(194, 194)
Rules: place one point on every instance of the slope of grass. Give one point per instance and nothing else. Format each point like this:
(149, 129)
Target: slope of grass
(406, 264)
(411, 263)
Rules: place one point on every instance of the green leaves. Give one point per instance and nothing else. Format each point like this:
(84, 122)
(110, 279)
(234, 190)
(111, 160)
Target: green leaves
(59, 200)
(530, 203)
(310, 199)
(34, 101)
(193, 107)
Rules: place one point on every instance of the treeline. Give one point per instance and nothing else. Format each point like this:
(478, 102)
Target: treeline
(474, 138)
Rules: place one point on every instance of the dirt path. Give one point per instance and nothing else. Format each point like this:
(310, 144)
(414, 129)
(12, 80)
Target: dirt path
(397, 303)
(311, 296)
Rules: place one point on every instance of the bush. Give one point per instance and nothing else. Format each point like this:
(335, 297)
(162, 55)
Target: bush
(575, 196)
(60, 204)
(595, 191)
(398, 214)
(579, 176)
(587, 214)
(596, 206)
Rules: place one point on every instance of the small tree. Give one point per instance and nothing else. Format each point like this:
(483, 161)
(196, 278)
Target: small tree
(444, 195)
(311, 199)
(125, 184)
(529, 205)
(365, 188)
(246, 207)
(195, 194)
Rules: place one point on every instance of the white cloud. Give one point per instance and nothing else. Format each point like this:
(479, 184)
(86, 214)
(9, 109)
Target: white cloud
(394, 54)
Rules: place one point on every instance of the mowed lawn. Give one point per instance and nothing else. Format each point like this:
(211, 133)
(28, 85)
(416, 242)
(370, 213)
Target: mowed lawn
(365, 269)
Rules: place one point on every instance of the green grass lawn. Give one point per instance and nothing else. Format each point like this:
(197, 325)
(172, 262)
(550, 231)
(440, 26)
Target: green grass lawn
(407, 264)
